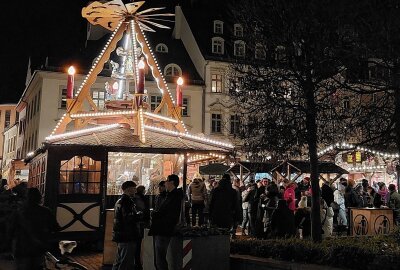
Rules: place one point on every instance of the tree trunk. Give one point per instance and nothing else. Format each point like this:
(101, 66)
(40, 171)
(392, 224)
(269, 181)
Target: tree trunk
(396, 86)
(311, 125)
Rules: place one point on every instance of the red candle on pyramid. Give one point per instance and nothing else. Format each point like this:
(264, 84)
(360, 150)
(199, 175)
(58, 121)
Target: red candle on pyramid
(179, 99)
(140, 84)
(70, 82)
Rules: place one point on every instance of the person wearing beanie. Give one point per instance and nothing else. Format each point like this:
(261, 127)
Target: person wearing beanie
(382, 196)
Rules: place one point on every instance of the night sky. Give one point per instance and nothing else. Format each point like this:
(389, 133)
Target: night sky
(37, 29)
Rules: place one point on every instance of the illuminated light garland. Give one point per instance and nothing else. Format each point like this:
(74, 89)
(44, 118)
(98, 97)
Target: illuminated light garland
(97, 114)
(135, 58)
(167, 119)
(81, 132)
(142, 125)
(30, 154)
(58, 124)
(348, 146)
(189, 136)
(363, 168)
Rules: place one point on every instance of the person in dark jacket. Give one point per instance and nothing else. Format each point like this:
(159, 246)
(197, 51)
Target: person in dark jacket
(31, 231)
(282, 221)
(327, 193)
(142, 205)
(350, 197)
(162, 194)
(126, 231)
(164, 221)
(223, 205)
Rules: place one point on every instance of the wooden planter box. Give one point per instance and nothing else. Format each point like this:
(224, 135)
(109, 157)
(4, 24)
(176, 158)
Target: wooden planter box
(209, 252)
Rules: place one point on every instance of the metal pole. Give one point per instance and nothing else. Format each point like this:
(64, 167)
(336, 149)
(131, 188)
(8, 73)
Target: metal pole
(184, 179)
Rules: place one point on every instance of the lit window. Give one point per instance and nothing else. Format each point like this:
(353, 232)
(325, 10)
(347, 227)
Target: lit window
(238, 30)
(239, 48)
(63, 102)
(155, 102)
(216, 83)
(280, 54)
(260, 52)
(162, 48)
(218, 45)
(234, 124)
(218, 27)
(216, 121)
(98, 98)
(172, 70)
(185, 109)
(346, 103)
(7, 120)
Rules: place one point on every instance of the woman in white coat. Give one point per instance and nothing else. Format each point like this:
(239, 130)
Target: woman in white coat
(326, 219)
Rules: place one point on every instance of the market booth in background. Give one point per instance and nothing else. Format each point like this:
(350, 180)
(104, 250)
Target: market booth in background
(244, 170)
(293, 169)
(363, 163)
(93, 149)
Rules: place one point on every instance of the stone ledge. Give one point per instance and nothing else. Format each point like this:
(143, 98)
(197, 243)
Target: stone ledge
(247, 262)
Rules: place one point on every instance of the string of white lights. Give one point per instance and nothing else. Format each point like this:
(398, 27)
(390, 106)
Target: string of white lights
(135, 58)
(364, 168)
(99, 114)
(347, 146)
(142, 125)
(189, 136)
(167, 119)
(80, 132)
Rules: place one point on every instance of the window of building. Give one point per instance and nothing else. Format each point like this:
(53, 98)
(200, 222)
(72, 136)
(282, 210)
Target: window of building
(172, 70)
(38, 102)
(260, 52)
(155, 102)
(218, 45)
(99, 97)
(34, 106)
(27, 112)
(63, 101)
(373, 97)
(216, 83)
(235, 122)
(80, 175)
(185, 104)
(280, 54)
(218, 27)
(346, 103)
(238, 30)
(216, 122)
(239, 48)
(162, 48)
(7, 120)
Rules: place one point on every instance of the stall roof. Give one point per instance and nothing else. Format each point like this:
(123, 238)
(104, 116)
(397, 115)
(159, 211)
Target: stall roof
(304, 167)
(213, 169)
(121, 137)
(253, 167)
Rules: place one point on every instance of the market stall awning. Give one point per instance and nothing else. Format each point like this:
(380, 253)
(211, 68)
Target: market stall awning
(303, 166)
(122, 137)
(213, 169)
(253, 167)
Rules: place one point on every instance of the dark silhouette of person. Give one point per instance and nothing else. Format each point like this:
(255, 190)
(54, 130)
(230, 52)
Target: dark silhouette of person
(126, 231)
(282, 221)
(31, 230)
(223, 205)
(164, 221)
(142, 205)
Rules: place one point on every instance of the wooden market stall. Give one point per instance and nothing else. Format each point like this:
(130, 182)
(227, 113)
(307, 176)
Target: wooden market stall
(242, 170)
(293, 169)
(93, 150)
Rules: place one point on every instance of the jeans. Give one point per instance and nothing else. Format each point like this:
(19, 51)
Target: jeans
(342, 219)
(125, 257)
(245, 218)
(197, 209)
(161, 244)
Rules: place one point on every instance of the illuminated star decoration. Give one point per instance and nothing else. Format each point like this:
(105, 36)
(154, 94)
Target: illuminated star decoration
(110, 14)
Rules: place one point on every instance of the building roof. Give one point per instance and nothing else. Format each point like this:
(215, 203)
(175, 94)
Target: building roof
(124, 138)
(304, 167)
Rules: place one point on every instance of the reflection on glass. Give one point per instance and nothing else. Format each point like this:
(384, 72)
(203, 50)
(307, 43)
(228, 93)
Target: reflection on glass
(142, 168)
(80, 175)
